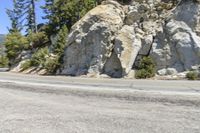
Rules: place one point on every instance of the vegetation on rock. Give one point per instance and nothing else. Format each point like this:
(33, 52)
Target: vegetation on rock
(192, 75)
(15, 43)
(60, 16)
(146, 68)
(3, 61)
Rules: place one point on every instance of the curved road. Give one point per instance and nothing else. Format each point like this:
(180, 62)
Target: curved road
(55, 104)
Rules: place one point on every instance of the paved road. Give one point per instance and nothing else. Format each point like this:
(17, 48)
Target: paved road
(38, 104)
(3, 69)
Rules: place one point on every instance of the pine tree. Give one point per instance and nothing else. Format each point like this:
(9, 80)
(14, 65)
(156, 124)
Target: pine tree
(31, 18)
(61, 41)
(58, 49)
(65, 12)
(48, 8)
(15, 16)
(27, 14)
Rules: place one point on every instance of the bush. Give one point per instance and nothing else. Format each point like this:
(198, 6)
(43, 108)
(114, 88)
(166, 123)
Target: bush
(15, 43)
(55, 60)
(44, 60)
(39, 57)
(52, 64)
(38, 39)
(58, 47)
(26, 65)
(192, 75)
(146, 68)
(3, 61)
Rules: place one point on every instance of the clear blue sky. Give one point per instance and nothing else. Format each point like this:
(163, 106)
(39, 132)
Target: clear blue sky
(4, 20)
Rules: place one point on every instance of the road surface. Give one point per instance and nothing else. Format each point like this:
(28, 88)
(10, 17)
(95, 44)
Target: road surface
(55, 104)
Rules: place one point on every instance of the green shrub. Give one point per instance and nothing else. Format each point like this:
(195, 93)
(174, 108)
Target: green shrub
(44, 60)
(58, 47)
(38, 39)
(146, 69)
(51, 64)
(39, 57)
(3, 61)
(26, 65)
(39, 60)
(192, 75)
(15, 43)
(55, 61)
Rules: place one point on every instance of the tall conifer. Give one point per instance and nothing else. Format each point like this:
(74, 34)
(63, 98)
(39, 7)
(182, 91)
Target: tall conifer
(27, 14)
(15, 16)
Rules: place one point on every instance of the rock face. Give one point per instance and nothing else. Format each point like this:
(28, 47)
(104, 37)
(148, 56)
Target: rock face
(90, 43)
(177, 45)
(112, 38)
(126, 47)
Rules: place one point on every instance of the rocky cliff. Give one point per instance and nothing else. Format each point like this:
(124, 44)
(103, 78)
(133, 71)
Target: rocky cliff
(112, 38)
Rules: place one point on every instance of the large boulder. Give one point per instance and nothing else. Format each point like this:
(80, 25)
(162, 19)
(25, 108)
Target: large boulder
(177, 45)
(112, 38)
(126, 48)
(90, 42)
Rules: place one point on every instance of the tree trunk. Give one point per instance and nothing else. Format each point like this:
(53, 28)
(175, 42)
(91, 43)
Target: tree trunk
(34, 16)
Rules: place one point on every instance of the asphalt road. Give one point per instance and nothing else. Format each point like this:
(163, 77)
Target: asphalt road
(49, 104)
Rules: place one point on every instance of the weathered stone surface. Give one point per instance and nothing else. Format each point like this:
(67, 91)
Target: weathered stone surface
(113, 66)
(90, 42)
(147, 42)
(127, 46)
(178, 45)
(113, 37)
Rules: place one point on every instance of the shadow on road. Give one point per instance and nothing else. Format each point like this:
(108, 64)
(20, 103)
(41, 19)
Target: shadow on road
(4, 69)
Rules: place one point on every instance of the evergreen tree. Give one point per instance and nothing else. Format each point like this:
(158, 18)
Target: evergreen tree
(65, 12)
(48, 9)
(61, 41)
(27, 14)
(15, 16)
(31, 18)
(58, 50)
(15, 43)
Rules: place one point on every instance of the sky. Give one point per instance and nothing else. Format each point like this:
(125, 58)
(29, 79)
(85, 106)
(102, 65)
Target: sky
(4, 20)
